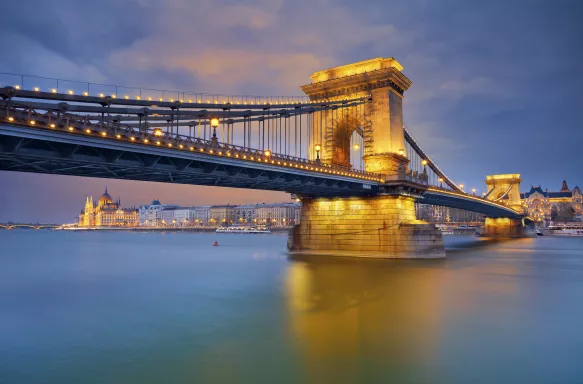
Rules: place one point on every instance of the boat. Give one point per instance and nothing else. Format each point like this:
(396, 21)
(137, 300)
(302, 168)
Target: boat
(243, 229)
(571, 229)
(539, 232)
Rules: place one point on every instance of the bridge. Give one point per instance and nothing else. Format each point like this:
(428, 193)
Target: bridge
(9, 226)
(343, 150)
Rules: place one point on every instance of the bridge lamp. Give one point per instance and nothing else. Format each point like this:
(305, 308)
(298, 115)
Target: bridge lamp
(17, 87)
(424, 162)
(214, 123)
(36, 89)
(356, 146)
(462, 187)
(10, 118)
(70, 92)
(267, 153)
(402, 152)
(318, 148)
(53, 90)
(158, 132)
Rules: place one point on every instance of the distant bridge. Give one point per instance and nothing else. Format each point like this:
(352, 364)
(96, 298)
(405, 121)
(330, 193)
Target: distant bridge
(28, 226)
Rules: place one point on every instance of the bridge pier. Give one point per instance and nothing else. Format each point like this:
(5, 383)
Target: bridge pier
(366, 227)
(507, 228)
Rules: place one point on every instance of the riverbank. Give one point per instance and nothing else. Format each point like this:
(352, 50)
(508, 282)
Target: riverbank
(161, 229)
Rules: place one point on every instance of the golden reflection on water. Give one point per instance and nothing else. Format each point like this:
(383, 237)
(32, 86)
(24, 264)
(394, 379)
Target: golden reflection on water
(352, 318)
(348, 314)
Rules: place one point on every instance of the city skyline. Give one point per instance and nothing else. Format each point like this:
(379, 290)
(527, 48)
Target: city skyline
(477, 102)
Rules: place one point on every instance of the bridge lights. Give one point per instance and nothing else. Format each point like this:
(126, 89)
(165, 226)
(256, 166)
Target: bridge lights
(214, 123)
(441, 182)
(267, 153)
(32, 122)
(424, 162)
(474, 191)
(36, 89)
(356, 146)
(158, 132)
(462, 187)
(10, 118)
(318, 148)
(402, 152)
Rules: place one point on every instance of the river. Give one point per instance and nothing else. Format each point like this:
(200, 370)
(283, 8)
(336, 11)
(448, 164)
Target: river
(112, 307)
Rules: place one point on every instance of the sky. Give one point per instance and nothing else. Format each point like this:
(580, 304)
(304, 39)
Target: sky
(496, 84)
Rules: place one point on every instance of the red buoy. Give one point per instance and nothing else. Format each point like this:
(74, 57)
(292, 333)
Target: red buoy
(216, 244)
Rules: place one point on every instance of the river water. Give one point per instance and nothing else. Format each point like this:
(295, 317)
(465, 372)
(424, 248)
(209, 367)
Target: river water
(112, 307)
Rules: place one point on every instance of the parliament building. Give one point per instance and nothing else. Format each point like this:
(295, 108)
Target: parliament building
(107, 213)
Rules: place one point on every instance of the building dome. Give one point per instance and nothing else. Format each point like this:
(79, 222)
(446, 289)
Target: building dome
(156, 202)
(105, 198)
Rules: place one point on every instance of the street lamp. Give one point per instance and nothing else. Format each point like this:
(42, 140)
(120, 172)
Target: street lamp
(462, 187)
(267, 153)
(401, 152)
(214, 123)
(318, 148)
(474, 191)
(158, 132)
(356, 146)
(441, 182)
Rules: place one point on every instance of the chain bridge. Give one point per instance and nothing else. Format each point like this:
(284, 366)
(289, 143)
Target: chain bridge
(343, 150)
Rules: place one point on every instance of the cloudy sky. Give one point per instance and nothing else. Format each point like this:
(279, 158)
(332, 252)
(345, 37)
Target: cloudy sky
(496, 84)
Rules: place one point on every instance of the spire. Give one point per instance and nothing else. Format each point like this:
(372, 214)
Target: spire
(565, 188)
(106, 189)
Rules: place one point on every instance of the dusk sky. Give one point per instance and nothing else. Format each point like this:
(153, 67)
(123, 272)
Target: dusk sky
(497, 85)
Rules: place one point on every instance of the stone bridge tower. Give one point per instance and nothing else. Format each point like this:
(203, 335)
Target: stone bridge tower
(378, 226)
(380, 123)
(504, 189)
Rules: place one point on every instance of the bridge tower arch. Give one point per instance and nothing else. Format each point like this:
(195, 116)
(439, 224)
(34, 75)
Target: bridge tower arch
(376, 226)
(380, 122)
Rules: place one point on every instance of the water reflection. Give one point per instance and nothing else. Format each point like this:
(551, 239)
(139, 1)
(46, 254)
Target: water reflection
(353, 319)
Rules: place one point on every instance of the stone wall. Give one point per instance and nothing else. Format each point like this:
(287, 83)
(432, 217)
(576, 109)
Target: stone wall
(375, 227)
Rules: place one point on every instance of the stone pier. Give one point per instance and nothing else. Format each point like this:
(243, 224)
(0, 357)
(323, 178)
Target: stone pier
(507, 228)
(367, 227)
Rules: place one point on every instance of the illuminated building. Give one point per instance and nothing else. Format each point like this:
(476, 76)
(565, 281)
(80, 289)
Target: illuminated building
(107, 213)
(278, 215)
(541, 204)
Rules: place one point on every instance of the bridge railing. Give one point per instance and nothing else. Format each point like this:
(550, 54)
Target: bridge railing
(73, 87)
(112, 129)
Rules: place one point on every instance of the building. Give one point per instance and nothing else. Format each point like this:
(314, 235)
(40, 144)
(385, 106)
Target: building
(107, 213)
(151, 215)
(221, 215)
(278, 215)
(439, 214)
(245, 213)
(545, 206)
